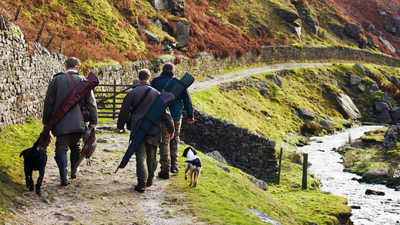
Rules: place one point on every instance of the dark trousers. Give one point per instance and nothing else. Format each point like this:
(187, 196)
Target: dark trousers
(146, 162)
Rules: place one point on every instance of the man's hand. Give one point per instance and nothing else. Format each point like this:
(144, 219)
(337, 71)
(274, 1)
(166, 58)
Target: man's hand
(92, 126)
(190, 120)
(170, 135)
(120, 131)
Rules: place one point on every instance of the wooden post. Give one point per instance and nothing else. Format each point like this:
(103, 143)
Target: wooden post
(51, 39)
(2, 23)
(60, 48)
(279, 166)
(18, 11)
(115, 91)
(40, 32)
(305, 161)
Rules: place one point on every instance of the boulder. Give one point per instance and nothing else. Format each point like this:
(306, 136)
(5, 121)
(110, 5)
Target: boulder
(288, 16)
(337, 30)
(387, 43)
(305, 114)
(353, 31)
(375, 175)
(347, 108)
(379, 107)
(392, 136)
(277, 80)
(330, 127)
(354, 80)
(217, 156)
(182, 32)
(160, 5)
(395, 114)
(259, 183)
(153, 39)
(177, 7)
(384, 117)
(373, 192)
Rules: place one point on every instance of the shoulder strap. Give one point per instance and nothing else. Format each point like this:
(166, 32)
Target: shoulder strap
(71, 79)
(166, 84)
(141, 100)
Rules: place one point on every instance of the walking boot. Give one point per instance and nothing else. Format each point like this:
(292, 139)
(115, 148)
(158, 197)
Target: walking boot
(61, 160)
(149, 182)
(74, 159)
(164, 174)
(140, 187)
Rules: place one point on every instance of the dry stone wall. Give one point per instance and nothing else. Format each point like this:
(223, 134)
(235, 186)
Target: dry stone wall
(24, 77)
(240, 147)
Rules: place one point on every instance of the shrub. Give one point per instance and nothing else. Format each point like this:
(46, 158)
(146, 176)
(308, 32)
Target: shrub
(311, 128)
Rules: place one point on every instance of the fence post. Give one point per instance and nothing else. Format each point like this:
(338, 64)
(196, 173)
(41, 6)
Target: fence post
(305, 162)
(279, 166)
(51, 39)
(2, 23)
(40, 32)
(60, 48)
(18, 11)
(115, 92)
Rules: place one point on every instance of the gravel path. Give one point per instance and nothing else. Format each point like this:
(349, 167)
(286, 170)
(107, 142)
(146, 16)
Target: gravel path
(98, 196)
(218, 79)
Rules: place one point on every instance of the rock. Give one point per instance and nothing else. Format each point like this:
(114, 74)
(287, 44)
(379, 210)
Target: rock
(372, 192)
(387, 43)
(178, 7)
(361, 67)
(330, 127)
(217, 156)
(395, 114)
(379, 107)
(288, 16)
(263, 217)
(277, 80)
(375, 176)
(259, 183)
(346, 106)
(384, 117)
(151, 37)
(337, 30)
(182, 33)
(305, 114)
(354, 80)
(353, 31)
(224, 168)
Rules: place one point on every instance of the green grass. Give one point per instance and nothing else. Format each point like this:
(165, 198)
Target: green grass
(15, 139)
(226, 197)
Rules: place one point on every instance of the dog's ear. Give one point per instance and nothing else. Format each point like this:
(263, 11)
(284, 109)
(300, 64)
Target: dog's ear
(194, 151)
(185, 152)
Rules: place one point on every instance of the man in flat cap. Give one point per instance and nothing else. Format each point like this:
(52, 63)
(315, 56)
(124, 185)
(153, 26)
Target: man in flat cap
(70, 128)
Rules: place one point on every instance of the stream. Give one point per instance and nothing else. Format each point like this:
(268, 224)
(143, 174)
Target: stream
(327, 168)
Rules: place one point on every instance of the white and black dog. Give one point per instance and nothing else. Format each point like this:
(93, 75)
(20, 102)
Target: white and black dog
(193, 163)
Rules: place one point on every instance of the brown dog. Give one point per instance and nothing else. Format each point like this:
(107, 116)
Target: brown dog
(193, 163)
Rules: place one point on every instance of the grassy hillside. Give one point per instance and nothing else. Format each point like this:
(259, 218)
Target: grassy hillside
(274, 114)
(109, 31)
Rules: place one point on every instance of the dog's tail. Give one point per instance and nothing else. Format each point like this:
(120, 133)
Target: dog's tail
(22, 154)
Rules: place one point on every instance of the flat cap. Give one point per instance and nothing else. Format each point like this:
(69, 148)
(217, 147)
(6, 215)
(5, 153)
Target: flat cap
(72, 61)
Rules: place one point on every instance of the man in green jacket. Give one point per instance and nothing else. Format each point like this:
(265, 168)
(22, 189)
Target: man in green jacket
(137, 103)
(169, 150)
(70, 128)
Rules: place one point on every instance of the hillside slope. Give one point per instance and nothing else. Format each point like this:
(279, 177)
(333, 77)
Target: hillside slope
(123, 30)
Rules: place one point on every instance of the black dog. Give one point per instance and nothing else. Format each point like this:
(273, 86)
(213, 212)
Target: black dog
(35, 158)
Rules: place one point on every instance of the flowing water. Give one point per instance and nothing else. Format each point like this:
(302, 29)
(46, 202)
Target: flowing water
(327, 168)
